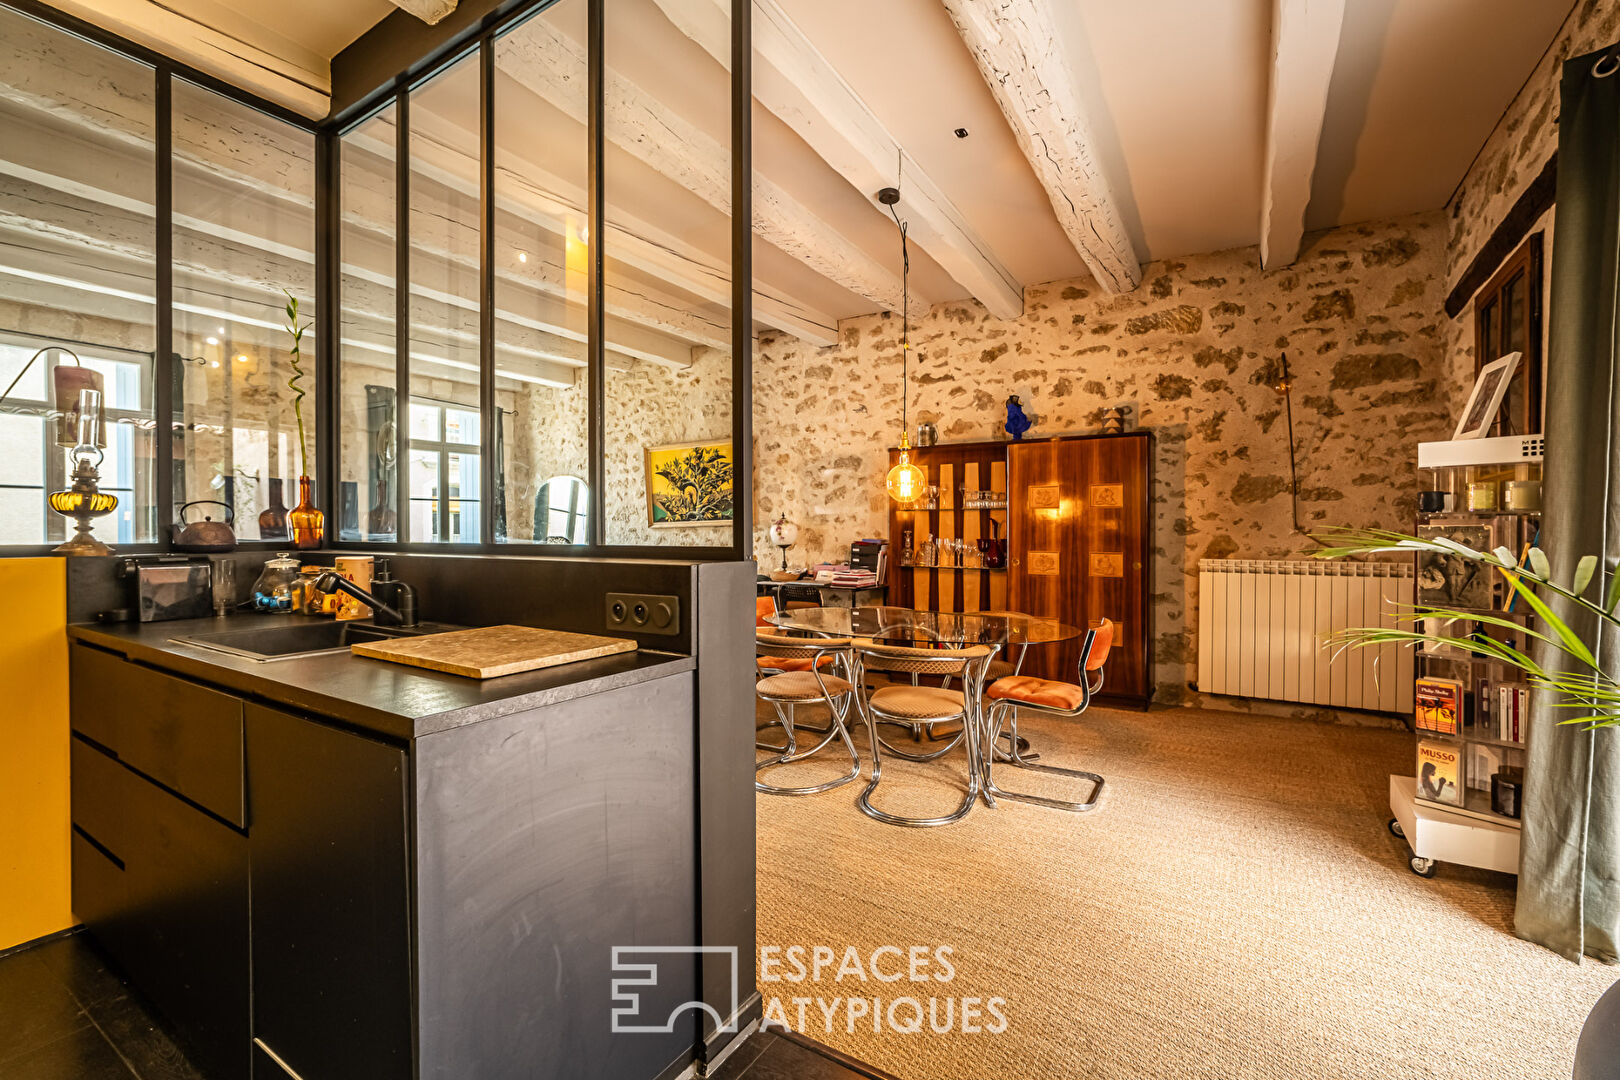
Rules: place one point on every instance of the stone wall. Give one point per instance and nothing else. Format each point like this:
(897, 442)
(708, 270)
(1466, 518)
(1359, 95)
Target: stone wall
(1512, 157)
(1192, 352)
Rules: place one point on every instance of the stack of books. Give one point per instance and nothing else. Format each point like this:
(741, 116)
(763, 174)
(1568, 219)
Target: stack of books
(855, 579)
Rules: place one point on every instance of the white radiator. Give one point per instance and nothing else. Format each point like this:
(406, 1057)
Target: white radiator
(1263, 628)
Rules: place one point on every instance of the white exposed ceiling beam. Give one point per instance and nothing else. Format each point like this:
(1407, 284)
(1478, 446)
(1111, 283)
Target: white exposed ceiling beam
(1304, 44)
(429, 11)
(289, 76)
(800, 86)
(541, 58)
(1016, 45)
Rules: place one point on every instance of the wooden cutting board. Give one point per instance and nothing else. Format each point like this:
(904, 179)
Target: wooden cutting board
(488, 651)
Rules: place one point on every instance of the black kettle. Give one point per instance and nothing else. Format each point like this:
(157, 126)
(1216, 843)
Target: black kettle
(207, 534)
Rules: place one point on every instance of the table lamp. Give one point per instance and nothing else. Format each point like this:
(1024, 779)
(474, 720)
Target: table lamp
(783, 534)
(84, 501)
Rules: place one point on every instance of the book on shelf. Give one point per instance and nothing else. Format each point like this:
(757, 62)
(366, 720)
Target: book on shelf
(1439, 706)
(1439, 772)
(1512, 711)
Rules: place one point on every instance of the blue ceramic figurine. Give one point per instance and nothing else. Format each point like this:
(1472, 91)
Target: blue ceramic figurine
(1017, 422)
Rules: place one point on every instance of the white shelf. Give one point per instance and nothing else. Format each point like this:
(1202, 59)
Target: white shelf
(1450, 837)
(1505, 450)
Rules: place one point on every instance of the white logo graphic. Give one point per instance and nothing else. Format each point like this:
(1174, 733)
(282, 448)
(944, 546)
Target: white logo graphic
(627, 1001)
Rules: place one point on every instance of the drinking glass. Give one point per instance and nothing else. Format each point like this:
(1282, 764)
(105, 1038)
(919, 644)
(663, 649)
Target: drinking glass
(224, 587)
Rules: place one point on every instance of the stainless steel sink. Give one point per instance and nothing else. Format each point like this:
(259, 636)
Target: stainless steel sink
(290, 641)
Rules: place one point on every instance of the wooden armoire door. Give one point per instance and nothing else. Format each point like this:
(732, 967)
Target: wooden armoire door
(1079, 518)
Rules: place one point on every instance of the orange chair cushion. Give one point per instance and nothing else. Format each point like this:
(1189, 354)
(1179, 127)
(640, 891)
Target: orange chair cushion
(1100, 645)
(763, 606)
(1047, 692)
(789, 663)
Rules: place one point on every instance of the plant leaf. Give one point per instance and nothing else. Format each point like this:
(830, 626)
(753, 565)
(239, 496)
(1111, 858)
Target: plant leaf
(1583, 574)
(1614, 591)
(1506, 557)
(1539, 565)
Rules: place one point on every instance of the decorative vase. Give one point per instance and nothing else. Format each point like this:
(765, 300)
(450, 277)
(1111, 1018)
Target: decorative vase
(273, 521)
(308, 524)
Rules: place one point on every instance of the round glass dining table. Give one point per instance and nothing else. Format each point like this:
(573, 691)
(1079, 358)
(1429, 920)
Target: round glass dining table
(904, 626)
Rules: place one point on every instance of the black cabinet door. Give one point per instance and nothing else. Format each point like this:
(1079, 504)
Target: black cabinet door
(174, 915)
(331, 901)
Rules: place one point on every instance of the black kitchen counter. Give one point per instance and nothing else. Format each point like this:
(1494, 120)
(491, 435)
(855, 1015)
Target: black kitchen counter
(381, 696)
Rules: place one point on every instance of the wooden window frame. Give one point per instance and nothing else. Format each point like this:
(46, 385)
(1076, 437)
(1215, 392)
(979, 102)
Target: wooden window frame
(1525, 263)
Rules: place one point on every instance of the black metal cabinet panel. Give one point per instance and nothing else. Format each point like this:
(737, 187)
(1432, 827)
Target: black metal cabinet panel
(175, 916)
(331, 901)
(545, 839)
(183, 735)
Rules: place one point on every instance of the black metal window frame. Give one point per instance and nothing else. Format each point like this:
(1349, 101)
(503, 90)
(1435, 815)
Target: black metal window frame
(164, 72)
(328, 294)
(480, 41)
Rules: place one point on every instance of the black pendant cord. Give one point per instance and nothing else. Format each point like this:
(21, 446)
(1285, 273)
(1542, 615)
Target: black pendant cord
(905, 317)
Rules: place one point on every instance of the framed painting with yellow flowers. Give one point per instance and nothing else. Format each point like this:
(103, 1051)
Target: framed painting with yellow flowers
(689, 484)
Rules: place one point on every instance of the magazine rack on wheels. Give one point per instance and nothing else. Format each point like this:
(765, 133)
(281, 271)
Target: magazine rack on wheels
(1463, 802)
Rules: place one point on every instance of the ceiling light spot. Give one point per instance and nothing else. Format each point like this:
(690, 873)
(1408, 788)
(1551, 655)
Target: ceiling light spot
(213, 363)
(523, 256)
(212, 340)
(242, 359)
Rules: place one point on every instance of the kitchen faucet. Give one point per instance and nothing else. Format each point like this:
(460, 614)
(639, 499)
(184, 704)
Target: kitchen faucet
(383, 613)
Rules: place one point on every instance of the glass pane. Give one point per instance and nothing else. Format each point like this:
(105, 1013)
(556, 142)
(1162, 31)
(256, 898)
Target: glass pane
(77, 250)
(460, 426)
(425, 422)
(561, 507)
(445, 254)
(541, 245)
(424, 480)
(463, 498)
(368, 481)
(244, 240)
(667, 181)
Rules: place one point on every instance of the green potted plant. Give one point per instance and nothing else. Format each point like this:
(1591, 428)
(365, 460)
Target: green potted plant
(308, 524)
(1586, 689)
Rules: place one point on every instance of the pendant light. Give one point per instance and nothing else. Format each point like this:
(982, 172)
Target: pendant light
(906, 481)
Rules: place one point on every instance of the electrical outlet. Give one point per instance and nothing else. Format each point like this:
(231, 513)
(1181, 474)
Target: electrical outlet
(644, 613)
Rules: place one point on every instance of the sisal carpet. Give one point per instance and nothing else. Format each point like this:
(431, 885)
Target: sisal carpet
(1234, 908)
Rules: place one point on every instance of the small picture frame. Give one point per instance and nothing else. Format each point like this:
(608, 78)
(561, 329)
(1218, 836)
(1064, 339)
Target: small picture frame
(1490, 387)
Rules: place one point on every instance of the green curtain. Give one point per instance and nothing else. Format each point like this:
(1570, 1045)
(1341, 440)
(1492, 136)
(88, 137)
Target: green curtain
(1569, 865)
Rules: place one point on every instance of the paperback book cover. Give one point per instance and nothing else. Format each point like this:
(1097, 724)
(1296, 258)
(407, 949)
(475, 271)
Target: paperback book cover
(1439, 706)
(1439, 772)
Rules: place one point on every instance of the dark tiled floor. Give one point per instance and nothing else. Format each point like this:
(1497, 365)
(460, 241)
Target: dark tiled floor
(65, 1015)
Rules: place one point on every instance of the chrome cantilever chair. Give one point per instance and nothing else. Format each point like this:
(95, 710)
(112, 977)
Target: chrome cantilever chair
(1046, 697)
(905, 705)
(802, 671)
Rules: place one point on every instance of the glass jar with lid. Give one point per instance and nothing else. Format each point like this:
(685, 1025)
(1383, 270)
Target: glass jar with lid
(278, 585)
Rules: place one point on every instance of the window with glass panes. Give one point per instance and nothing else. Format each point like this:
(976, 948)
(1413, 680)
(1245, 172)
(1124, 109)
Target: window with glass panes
(444, 472)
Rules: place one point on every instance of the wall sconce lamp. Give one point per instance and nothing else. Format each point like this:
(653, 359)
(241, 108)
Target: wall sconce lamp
(1283, 385)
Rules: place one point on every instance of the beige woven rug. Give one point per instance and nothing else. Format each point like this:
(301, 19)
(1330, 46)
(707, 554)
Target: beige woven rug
(1234, 908)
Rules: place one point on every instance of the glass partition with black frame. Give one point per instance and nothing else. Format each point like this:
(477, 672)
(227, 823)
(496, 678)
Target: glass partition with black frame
(571, 370)
(368, 443)
(78, 244)
(244, 245)
(668, 457)
(541, 277)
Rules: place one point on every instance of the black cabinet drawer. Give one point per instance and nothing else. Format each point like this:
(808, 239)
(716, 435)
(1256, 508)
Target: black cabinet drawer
(185, 736)
(175, 916)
